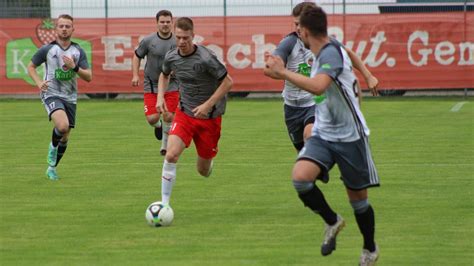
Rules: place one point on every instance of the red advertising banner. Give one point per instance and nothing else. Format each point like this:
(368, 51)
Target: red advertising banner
(405, 51)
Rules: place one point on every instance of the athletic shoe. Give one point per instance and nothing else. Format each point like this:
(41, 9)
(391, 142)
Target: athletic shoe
(52, 155)
(51, 173)
(369, 258)
(329, 243)
(163, 152)
(210, 169)
(159, 131)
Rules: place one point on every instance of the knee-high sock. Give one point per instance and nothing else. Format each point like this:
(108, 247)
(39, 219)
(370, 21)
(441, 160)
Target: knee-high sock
(62, 146)
(168, 178)
(166, 131)
(313, 198)
(56, 137)
(366, 223)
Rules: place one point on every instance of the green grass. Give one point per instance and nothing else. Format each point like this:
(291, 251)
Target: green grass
(247, 212)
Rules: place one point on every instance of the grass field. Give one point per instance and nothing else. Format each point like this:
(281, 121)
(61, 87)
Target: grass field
(247, 212)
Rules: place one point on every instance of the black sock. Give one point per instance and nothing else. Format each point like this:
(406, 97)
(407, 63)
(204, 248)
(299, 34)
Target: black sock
(314, 199)
(61, 150)
(56, 137)
(366, 223)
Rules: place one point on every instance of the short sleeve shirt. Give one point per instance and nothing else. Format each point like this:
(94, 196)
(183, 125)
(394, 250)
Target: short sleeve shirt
(63, 80)
(199, 75)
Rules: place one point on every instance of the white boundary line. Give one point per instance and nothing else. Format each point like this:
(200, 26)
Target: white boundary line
(457, 106)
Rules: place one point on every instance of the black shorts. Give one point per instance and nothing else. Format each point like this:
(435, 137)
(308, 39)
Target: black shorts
(354, 160)
(296, 118)
(53, 104)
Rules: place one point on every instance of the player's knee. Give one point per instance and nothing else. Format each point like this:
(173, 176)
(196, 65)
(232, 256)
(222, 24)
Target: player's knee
(203, 171)
(302, 186)
(62, 127)
(152, 119)
(168, 117)
(360, 206)
(171, 156)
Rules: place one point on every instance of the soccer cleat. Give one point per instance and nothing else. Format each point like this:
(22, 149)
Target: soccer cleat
(51, 173)
(329, 243)
(159, 132)
(369, 258)
(163, 152)
(52, 155)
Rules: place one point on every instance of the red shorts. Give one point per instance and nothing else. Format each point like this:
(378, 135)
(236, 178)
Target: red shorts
(204, 132)
(171, 101)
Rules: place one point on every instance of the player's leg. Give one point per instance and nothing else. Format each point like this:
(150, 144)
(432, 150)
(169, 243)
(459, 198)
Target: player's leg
(206, 141)
(152, 115)
(314, 162)
(172, 100)
(70, 110)
(358, 173)
(179, 139)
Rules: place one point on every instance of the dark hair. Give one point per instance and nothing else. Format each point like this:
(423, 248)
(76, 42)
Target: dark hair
(301, 7)
(66, 16)
(185, 23)
(314, 19)
(165, 13)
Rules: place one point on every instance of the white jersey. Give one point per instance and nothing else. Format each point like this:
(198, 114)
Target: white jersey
(296, 57)
(338, 115)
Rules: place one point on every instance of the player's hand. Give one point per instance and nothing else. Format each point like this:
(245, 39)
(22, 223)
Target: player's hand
(44, 85)
(373, 83)
(135, 81)
(274, 67)
(69, 62)
(161, 105)
(202, 111)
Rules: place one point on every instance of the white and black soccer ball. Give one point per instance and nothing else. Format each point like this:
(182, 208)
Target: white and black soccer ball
(158, 214)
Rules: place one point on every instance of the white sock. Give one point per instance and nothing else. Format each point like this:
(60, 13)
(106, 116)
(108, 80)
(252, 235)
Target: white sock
(157, 124)
(166, 131)
(168, 178)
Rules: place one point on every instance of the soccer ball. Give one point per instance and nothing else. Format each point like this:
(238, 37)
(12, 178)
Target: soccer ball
(159, 214)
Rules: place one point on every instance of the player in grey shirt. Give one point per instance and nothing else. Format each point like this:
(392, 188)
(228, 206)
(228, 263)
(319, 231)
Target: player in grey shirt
(204, 83)
(298, 103)
(64, 60)
(154, 48)
(340, 135)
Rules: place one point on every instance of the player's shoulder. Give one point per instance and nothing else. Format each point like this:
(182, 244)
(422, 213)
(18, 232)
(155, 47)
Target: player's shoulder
(48, 46)
(172, 53)
(292, 37)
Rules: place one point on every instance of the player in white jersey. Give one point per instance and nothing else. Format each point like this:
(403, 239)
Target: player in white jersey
(65, 60)
(154, 47)
(339, 136)
(298, 103)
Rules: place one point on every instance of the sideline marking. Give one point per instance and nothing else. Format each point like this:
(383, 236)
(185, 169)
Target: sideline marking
(457, 106)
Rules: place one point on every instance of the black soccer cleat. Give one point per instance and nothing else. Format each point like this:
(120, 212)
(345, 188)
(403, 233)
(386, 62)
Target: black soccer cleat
(329, 243)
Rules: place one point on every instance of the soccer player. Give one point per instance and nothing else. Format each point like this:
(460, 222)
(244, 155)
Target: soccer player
(204, 83)
(299, 104)
(339, 135)
(65, 60)
(154, 47)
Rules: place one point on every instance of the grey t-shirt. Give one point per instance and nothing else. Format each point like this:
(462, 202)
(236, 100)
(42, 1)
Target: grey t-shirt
(199, 75)
(63, 81)
(338, 115)
(154, 48)
(295, 55)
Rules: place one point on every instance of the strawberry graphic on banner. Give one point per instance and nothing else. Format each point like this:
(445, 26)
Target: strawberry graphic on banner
(45, 31)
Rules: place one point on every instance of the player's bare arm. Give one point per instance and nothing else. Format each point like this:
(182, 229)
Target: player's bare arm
(372, 82)
(41, 84)
(203, 110)
(275, 68)
(135, 69)
(84, 74)
(163, 82)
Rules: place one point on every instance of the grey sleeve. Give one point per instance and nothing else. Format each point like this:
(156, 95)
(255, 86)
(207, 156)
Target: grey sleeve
(330, 62)
(166, 66)
(40, 56)
(216, 68)
(285, 47)
(82, 63)
(142, 49)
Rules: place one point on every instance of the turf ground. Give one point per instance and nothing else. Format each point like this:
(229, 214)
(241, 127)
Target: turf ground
(247, 212)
